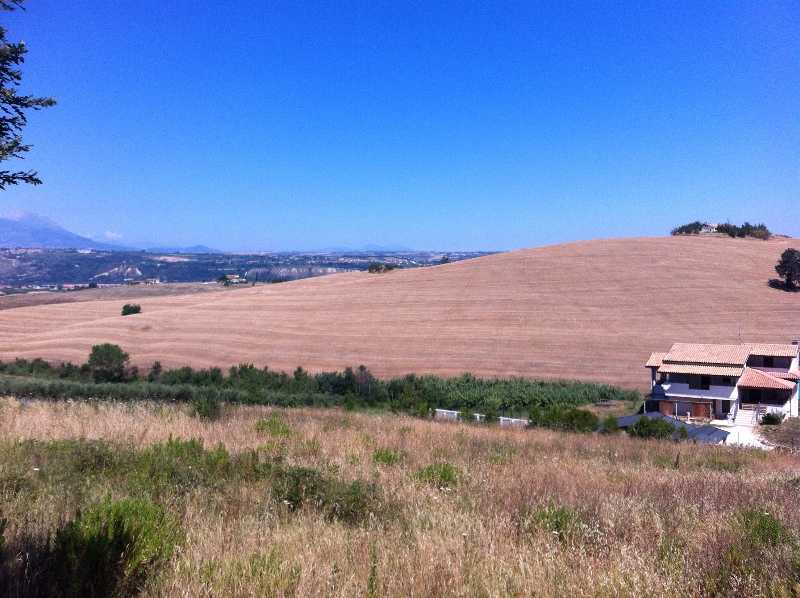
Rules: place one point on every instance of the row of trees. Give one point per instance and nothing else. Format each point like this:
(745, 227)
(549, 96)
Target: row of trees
(757, 231)
(356, 387)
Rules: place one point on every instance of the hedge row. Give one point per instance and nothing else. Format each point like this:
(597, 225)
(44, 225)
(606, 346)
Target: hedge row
(39, 388)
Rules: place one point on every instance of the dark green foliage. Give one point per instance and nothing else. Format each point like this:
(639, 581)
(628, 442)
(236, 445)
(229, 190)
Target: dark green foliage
(692, 228)
(490, 414)
(758, 231)
(645, 427)
(380, 267)
(107, 363)
(113, 548)
(245, 383)
(771, 419)
(131, 308)
(609, 425)
(350, 502)
(568, 419)
(205, 406)
(13, 107)
(178, 466)
(441, 475)
(154, 375)
(788, 267)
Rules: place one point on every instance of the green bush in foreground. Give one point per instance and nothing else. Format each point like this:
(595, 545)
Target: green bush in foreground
(441, 475)
(113, 548)
(387, 456)
(350, 502)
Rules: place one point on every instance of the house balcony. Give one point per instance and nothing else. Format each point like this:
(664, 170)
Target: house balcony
(679, 390)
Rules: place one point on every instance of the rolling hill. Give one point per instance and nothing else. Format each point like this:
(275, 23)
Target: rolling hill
(24, 229)
(592, 310)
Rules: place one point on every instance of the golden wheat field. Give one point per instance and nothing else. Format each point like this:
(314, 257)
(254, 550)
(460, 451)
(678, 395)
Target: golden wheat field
(525, 513)
(590, 310)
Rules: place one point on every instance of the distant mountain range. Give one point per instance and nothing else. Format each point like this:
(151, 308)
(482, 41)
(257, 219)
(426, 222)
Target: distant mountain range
(27, 230)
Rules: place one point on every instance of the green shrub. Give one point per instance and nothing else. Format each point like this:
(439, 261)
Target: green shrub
(645, 427)
(113, 548)
(441, 475)
(490, 414)
(131, 308)
(569, 419)
(387, 456)
(274, 426)
(771, 419)
(380, 267)
(107, 363)
(175, 467)
(350, 502)
(759, 537)
(560, 521)
(206, 407)
(692, 228)
(761, 529)
(354, 388)
(610, 425)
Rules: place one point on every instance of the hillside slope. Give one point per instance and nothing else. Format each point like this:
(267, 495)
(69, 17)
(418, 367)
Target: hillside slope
(590, 310)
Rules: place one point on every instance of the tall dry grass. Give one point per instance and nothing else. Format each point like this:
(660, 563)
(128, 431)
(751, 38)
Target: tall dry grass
(535, 513)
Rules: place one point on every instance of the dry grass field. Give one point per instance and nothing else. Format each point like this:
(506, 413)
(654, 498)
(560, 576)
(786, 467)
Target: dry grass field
(591, 310)
(529, 513)
(117, 293)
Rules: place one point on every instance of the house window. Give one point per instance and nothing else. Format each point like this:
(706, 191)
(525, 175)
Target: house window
(769, 362)
(699, 382)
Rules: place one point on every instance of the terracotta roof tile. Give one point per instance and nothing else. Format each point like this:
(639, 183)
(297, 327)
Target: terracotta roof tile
(758, 379)
(708, 354)
(655, 360)
(773, 350)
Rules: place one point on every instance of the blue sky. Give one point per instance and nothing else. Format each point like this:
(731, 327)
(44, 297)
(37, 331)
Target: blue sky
(289, 125)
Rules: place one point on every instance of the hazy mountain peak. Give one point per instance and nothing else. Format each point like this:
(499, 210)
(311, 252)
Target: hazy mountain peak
(29, 218)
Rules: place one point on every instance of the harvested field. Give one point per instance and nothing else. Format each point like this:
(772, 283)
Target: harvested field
(500, 513)
(591, 310)
(15, 300)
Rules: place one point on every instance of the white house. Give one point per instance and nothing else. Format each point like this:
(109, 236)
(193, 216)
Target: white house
(733, 382)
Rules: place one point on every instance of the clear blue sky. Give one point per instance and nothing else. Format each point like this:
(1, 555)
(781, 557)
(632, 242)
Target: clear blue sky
(487, 125)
